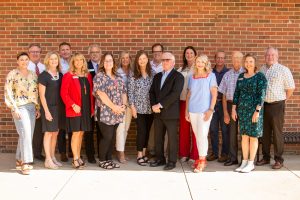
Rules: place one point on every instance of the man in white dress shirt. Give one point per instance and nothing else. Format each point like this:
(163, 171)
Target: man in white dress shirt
(65, 53)
(35, 65)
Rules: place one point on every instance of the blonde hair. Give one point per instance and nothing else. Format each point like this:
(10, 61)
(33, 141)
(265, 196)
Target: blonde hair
(205, 59)
(47, 58)
(84, 69)
(122, 54)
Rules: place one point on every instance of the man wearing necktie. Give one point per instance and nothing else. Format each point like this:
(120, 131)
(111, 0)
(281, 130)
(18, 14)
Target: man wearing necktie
(164, 98)
(35, 65)
(93, 64)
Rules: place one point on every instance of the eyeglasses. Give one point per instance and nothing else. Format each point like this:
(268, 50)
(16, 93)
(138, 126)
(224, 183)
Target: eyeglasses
(108, 61)
(95, 52)
(166, 60)
(34, 52)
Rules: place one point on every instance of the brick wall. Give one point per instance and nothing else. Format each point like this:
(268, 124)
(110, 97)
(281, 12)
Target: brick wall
(246, 25)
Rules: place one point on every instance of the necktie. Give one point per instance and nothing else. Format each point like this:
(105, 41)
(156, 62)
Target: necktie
(96, 70)
(37, 71)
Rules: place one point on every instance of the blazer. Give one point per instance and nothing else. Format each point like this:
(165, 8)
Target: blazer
(168, 96)
(91, 69)
(71, 93)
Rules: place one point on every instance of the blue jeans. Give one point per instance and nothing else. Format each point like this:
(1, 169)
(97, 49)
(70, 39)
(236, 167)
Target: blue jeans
(25, 128)
(218, 120)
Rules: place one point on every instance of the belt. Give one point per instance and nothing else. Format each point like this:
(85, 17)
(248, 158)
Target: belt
(274, 102)
(229, 101)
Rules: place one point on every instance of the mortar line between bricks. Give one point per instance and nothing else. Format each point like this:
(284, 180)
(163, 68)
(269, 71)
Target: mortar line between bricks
(61, 189)
(185, 177)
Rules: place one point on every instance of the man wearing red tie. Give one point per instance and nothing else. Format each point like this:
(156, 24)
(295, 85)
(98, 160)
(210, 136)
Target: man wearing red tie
(35, 65)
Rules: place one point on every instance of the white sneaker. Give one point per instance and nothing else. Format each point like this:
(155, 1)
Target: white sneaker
(56, 162)
(249, 167)
(244, 163)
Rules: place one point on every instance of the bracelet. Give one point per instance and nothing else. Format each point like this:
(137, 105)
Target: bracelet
(257, 110)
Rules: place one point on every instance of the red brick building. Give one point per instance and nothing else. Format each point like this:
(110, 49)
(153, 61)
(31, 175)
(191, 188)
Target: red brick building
(245, 25)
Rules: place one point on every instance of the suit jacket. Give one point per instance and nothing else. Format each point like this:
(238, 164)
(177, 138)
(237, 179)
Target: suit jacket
(168, 96)
(71, 93)
(91, 68)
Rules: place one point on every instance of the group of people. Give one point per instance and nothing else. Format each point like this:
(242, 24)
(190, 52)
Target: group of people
(70, 98)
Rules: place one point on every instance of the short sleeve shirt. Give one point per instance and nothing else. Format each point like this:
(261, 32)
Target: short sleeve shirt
(113, 88)
(200, 97)
(279, 79)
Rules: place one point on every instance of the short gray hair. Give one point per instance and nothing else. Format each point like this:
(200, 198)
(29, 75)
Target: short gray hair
(92, 46)
(271, 48)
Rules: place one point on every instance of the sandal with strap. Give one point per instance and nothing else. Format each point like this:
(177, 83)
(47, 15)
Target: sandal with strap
(195, 164)
(81, 162)
(106, 164)
(76, 164)
(19, 164)
(25, 169)
(141, 161)
(146, 159)
(201, 166)
(115, 165)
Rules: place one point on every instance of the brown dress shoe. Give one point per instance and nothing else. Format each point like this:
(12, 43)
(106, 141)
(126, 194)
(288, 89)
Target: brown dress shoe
(211, 157)
(223, 158)
(262, 162)
(277, 165)
(63, 157)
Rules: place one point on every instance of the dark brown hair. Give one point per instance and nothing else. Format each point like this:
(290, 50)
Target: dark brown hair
(101, 67)
(22, 54)
(185, 63)
(157, 44)
(136, 67)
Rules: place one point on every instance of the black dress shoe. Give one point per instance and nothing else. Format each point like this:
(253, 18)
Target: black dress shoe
(229, 163)
(91, 160)
(170, 166)
(157, 163)
(40, 157)
(262, 162)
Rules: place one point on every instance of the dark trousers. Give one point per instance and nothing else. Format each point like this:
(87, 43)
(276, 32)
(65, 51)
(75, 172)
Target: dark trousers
(143, 123)
(62, 142)
(106, 141)
(218, 120)
(38, 138)
(233, 135)
(160, 128)
(89, 140)
(273, 127)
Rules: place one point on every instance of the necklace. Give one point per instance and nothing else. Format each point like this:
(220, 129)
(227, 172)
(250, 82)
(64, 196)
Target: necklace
(55, 77)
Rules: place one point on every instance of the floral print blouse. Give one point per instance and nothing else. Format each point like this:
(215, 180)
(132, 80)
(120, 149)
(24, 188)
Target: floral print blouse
(138, 93)
(20, 90)
(114, 89)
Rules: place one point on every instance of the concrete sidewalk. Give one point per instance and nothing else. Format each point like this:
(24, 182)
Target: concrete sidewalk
(132, 182)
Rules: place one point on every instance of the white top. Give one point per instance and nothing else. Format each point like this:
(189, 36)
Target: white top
(279, 79)
(156, 68)
(64, 66)
(187, 72)
(31, 67)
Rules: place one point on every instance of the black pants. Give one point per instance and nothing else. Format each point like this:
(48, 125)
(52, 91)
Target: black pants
(62, 142)
(233, 135)
(89, 140)
(273, 127)
(106, 141)
(143, 123)
(38, 138)
(160, 128)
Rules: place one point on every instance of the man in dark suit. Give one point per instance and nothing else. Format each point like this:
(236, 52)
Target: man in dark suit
(95, 55)
(164, 98)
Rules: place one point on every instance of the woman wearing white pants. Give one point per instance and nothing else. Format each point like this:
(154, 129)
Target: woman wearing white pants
(201, 99)
(124, 71)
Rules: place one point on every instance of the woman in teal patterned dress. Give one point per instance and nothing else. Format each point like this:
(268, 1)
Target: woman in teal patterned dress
(247, 107)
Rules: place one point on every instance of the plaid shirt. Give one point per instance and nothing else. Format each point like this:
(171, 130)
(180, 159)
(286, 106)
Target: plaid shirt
(279, 79)
(228, 83)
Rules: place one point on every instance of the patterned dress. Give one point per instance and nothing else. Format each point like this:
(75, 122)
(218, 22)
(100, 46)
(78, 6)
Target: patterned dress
(249, 93)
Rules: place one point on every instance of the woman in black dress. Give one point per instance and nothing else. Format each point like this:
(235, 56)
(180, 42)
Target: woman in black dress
(52, 106)
(76, 92)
